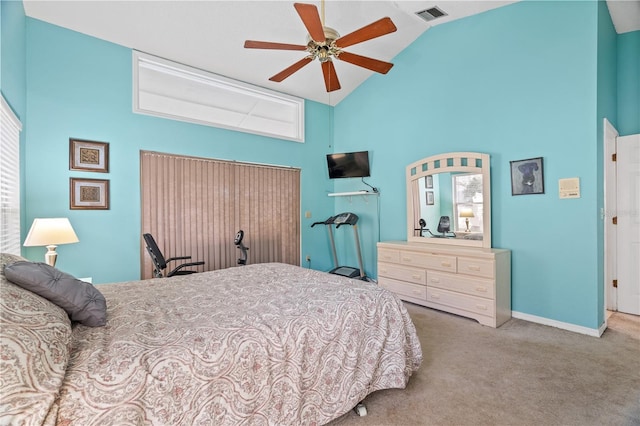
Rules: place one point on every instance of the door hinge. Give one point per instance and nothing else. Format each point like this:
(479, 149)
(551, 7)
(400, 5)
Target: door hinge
(615, 283)
(614, 157)
(615, 220)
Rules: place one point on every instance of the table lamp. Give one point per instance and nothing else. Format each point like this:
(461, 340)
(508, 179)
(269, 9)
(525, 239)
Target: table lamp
(467, 213)
(50, 232)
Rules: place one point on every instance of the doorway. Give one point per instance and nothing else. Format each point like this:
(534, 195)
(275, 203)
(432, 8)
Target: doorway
(622, 221)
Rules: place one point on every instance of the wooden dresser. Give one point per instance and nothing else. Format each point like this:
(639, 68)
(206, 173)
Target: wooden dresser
(468, 281)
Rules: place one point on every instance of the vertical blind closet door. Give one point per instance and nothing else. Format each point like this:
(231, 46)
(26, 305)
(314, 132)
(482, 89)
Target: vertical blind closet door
(194, 207)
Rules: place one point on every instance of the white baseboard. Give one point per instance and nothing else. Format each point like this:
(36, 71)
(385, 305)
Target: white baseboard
(595, 332)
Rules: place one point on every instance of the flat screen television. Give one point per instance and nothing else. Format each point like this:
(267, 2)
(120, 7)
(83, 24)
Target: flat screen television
(348, 165)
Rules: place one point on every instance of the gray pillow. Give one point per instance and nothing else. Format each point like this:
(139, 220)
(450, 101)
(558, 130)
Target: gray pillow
(81, 300)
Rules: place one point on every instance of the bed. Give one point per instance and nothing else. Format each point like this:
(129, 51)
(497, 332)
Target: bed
(268, 344)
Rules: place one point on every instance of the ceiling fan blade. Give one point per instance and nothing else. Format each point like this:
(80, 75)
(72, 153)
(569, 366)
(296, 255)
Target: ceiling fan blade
(376, 29)
(290, 70)
(311, 19)
(365, 62)
(330, 77)
(253, 44)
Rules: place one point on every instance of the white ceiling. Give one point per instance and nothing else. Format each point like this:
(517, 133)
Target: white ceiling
(210, 34)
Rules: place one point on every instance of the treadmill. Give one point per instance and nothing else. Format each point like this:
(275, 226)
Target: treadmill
(339, 220)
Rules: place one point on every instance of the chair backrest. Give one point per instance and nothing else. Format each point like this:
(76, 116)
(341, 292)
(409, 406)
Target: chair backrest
(156, 255)
(444, 225)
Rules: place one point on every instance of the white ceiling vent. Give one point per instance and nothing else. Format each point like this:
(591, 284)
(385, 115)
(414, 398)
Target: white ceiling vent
(431, 13)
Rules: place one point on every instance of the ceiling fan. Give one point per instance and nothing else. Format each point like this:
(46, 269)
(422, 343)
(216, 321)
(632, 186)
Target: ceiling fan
(325, 43)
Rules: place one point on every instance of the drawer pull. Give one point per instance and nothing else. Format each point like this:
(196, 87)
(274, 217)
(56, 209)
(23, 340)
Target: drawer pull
(406, 259)
(473, 268)
(416, 292)
(481, 289)
(384, 271)
(482, 307)
(446, 264)
(435, 296)
(416, 277)
(435, 280)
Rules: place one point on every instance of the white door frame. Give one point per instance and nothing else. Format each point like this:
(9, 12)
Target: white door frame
(608, 212)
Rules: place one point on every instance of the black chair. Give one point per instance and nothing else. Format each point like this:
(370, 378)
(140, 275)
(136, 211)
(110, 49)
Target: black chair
(444, 227)
(160, 263)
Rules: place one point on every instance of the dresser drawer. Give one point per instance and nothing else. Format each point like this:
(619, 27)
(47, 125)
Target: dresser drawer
(403, 288)
(474, 286)
(403, 273)
(461, 301)
(430, 261)
(388, 255)
(477, 267)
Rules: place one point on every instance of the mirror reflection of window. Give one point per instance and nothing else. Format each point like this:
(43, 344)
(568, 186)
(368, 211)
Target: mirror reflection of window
(467, 202)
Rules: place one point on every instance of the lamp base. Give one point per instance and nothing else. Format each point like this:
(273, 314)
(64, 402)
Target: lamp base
(466, 221)
(51, 256)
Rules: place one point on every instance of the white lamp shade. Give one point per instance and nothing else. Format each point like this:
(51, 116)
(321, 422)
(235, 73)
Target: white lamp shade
(50, 231)
(467, 213)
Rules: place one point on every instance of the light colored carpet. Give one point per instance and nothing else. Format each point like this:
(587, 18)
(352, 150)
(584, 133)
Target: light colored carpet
(624, 323)
(519, 374)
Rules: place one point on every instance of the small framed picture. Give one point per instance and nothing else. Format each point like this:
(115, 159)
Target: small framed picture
(89, 194)
(88, 155)
(430, 200)
(428, 181)
(527, 176)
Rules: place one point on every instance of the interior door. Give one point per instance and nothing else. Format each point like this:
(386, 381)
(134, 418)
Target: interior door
(628, 228)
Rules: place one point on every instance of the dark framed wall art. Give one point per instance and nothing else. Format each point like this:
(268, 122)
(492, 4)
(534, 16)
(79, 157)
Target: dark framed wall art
(428, 181)
(527, 176)
(430, 199)
(89, 194)
(88, 155)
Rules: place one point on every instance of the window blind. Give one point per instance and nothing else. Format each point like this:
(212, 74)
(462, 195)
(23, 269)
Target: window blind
(10, 128)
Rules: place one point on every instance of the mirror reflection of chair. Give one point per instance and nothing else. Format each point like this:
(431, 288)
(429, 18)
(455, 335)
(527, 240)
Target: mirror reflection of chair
(160, 263)
(444, 227)
(423, 225)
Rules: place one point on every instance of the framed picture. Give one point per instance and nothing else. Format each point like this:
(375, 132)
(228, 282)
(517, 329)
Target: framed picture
(430, 197)
(89, 194)
(88, 156)
(428, 181)
(527, 176)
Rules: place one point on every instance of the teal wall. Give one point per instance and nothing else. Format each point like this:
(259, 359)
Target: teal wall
(606, 108)
(497, 82)
(500, 83)
(13, 72)
(629, 83)
(12, 62)
(81, 87)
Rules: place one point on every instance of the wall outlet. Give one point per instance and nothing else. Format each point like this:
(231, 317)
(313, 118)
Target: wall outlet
(308, 258)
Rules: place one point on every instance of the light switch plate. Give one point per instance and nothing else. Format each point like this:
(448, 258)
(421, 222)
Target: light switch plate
(569, 188)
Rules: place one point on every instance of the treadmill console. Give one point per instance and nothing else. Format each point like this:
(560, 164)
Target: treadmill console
(345, 218)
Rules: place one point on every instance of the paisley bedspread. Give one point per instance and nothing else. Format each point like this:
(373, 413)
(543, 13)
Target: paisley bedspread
(268, 344)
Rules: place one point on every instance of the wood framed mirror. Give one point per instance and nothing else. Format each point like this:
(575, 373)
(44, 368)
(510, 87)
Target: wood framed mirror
(449, 200)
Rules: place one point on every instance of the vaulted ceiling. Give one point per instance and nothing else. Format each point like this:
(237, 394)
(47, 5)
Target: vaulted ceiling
(210, 35)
